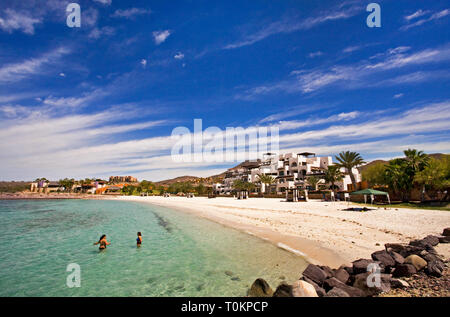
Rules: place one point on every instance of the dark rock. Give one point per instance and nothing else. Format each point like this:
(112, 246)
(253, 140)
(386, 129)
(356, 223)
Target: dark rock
(383, 286)
(397, 257)
(315, 273)
(444, 239)
(360, 266)
(260, 288)
(396, 247)
(332, 282)
(342, 275)
(404, 270)
(446, 232)
(229, 273)
(319, 290)
(422, 243)
(384, 257)
(427, 256)
(432, 240)
(328, 271)
(337, 292)
(435, 268)
(349, 269)
(283, 290)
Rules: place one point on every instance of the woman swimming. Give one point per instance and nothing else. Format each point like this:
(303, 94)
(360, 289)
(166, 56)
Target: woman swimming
(103, 243)
(139, 239)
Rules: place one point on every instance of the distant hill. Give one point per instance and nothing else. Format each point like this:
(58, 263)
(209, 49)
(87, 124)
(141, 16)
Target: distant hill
(437, 156)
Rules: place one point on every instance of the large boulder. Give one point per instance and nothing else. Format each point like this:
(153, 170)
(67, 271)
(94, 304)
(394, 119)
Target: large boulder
(398, 259)
(421, 243)
(319, 290)
(283, 290)
(303, 289)
(328, 271)
(361, 265)
(315, 273)
(432, 240)
(446, 232)
(260, 288)
(435, 268)
(384, 257)
(404, 270)
(395, 247)
(337, 292)
(368, 284)
(332, 282)
(342, 275)
(417, 261)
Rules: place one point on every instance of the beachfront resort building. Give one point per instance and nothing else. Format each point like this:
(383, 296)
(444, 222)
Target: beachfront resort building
(289, 171)
(122, 179)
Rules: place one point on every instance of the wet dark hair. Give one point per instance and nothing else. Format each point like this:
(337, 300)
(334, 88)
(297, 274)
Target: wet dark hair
(139, 233)
(101, 238)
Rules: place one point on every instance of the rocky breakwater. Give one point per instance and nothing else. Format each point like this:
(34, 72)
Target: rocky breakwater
(414, 269)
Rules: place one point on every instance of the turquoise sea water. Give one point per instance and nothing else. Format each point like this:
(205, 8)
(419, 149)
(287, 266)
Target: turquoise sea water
(181, 255)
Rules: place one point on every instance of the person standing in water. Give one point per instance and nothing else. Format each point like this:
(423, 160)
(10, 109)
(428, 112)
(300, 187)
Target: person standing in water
(103, 243)
(139, 239)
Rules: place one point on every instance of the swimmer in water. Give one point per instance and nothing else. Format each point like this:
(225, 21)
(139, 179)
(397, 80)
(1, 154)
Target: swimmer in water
(139, 239)
(103, 243)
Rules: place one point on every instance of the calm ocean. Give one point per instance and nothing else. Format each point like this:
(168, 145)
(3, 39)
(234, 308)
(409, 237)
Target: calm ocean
(181, 254)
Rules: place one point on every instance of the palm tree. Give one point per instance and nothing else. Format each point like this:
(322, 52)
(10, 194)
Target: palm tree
(313, 181)
(417, 160)
(349, 160)
(266, 180)
(332, 175)
(398, 178)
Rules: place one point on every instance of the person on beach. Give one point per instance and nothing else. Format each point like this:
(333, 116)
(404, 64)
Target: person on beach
(103, 243)
(139, 239)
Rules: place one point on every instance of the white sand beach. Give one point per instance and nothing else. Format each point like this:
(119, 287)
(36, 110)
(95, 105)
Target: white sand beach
(321, 231)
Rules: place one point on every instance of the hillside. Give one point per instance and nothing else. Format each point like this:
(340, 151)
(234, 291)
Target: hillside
(437, 156)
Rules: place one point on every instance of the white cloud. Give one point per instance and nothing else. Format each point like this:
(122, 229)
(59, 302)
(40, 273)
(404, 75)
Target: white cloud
(12, 21)
(160, 36)
(292, 25)
(434, 16)
(62, 74)
(130, 13)
(415, 15)
(14, 72)
(179, 55)
(315, 54)
(81, 144)
(105, 2)
(396, 96)
(96, 33)
(143, 62)
(358, 74)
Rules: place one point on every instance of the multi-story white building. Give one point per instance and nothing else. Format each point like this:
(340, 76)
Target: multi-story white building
(289, 171)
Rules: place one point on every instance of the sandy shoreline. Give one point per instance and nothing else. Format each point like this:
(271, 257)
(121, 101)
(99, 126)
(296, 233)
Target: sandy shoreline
(321, 231)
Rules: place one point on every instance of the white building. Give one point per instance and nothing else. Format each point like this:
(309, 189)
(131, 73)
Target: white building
(289, 171)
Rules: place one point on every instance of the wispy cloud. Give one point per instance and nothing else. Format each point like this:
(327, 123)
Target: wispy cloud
(289, 25)
(105, 2)
(12, 21)
(434, 16)
(416, 14)
(357, 74)
(130, 13)
(17, 71)
(160, 36)
(97, 33)
(315, 54)
(179, 55)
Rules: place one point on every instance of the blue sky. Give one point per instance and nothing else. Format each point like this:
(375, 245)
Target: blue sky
(103, 99)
